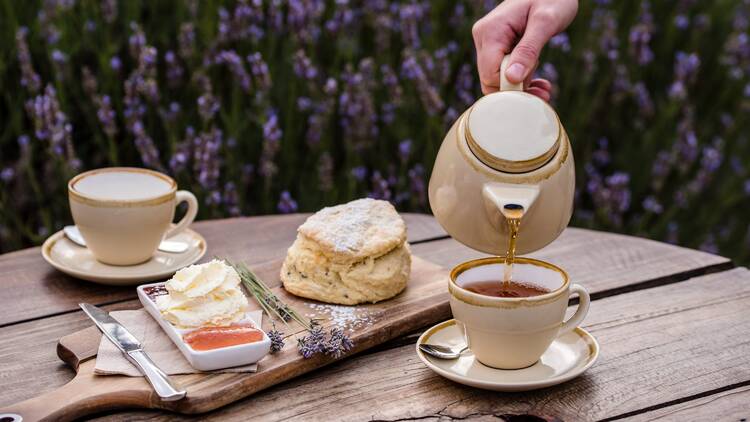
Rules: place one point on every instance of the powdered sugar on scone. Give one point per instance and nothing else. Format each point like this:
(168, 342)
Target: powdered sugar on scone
(356, 230)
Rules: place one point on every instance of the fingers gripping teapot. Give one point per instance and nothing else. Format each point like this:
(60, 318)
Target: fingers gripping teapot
(507, 148)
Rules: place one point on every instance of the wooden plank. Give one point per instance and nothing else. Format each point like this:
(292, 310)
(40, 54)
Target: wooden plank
(657, 345)
(40, 370)
(598, 260)
(422, 303)
(30, 288)
(730, 405)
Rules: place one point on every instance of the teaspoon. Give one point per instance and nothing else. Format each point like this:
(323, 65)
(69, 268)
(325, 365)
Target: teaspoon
(171, 246)
(441, 352)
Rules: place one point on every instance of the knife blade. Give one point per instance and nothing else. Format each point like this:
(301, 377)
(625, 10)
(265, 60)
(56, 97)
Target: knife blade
(133, 351)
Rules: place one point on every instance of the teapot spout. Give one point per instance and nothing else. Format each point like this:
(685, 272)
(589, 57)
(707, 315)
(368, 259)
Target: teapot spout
(506, 197)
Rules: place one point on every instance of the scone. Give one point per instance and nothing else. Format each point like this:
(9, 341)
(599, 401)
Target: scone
(349, 254)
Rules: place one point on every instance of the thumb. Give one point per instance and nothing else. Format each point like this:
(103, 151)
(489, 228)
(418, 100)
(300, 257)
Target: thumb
(525, 55)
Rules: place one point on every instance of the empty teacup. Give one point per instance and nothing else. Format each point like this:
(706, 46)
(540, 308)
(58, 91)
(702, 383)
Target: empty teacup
(124, 213)
(510, 326)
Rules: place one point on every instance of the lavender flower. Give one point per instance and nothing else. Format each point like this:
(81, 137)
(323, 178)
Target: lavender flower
(651, 204)
(115, 63)
(7, 174)
(685, 70)
(231, 199)
(313, 343)
(277, 340)
(186, 40)
(359, 173)
(271, 144)
(303, 66)
(29, 78)
(174, 70)
(207, 161)
(338, 343)
(51, 125)
(640, 36)
(428, 94)
(380, 187)
(287, 204)
(233, 61)
(561, 42)
(404, 150)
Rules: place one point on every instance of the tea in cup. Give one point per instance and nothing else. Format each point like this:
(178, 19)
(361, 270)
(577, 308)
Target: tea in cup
(123, 213)
(510, 324)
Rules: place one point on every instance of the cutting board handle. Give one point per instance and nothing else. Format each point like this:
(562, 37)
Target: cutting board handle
(83, 395)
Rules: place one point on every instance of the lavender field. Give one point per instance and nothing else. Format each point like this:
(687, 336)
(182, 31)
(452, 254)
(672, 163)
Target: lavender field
(290, 105)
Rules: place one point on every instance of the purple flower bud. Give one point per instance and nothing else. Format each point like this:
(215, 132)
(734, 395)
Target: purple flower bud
(560, 41)
(359, 173)
(681, 21)
(404, 150)
(115, 63)
(286, 204)
(651, 204)
(7, 174)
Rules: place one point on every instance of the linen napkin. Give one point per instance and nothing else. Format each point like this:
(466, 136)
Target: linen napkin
(111, 361)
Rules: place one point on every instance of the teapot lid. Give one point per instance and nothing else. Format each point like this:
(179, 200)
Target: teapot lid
(512, 131)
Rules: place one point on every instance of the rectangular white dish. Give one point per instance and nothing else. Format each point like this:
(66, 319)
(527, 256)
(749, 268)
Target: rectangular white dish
(206, 360)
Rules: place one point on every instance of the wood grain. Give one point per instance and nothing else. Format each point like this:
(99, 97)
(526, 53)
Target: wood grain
(658, 345)
(32, 289)
(422, 303)
(29, 365)
(730, 405)
(600, 261)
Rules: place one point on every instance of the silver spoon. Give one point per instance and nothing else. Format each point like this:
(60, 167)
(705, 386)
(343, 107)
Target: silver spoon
(441, 352)
(171, 246)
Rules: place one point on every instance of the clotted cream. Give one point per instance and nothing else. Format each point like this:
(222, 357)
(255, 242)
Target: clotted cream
(203, 295)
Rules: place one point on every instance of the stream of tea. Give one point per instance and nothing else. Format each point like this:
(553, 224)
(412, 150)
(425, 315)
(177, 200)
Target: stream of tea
(513, 214)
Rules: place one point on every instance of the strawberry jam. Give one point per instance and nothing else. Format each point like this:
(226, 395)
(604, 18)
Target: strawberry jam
(209, 338)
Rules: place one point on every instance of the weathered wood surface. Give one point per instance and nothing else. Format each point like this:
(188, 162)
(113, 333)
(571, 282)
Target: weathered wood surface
(657, 346)
(424, 302)
(31, 288)
(729, 405)
(390, 383)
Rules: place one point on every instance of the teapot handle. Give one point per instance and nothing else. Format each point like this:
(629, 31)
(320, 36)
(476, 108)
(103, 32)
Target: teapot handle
(505, 84)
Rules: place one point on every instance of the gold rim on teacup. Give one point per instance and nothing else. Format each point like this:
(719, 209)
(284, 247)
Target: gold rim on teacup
(87, 199)
(482, 300)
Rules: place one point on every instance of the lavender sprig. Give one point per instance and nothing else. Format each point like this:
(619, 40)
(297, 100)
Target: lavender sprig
(277, 340)
(335, 344)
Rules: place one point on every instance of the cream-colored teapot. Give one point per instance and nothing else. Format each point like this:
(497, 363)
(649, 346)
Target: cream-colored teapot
(507, 148)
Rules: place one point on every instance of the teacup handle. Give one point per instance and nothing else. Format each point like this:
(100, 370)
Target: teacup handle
(184, 196)
(583, 308)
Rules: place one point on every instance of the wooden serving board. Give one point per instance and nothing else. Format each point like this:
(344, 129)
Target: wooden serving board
(424, 302)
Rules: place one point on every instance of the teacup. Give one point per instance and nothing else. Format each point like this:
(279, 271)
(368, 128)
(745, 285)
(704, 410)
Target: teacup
(123, 213)
(513, 332)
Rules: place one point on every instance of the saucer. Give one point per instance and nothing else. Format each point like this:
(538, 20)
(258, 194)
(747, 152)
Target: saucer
(79, 262)
(568, 356)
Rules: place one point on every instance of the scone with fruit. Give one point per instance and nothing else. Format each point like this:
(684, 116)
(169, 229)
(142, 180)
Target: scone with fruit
(349, 254)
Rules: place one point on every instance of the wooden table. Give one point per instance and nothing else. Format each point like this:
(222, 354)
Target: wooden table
(673, 325)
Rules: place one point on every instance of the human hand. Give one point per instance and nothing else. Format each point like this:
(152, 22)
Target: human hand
(521, 27)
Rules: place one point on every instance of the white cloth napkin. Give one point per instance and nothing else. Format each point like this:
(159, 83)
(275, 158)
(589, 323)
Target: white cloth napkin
(111, 361)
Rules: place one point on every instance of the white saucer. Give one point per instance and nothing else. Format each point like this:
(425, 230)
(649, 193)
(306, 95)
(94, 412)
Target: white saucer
(78, 261)
(567, 357)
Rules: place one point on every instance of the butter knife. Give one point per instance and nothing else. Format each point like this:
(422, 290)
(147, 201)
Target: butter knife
(131, 348)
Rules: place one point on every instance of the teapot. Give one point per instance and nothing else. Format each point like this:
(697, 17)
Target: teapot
(508, 149)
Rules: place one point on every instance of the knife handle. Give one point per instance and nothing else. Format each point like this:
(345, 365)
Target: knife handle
(162, 384)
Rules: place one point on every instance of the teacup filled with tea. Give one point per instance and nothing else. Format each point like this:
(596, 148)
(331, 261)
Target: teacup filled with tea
(508, 324)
